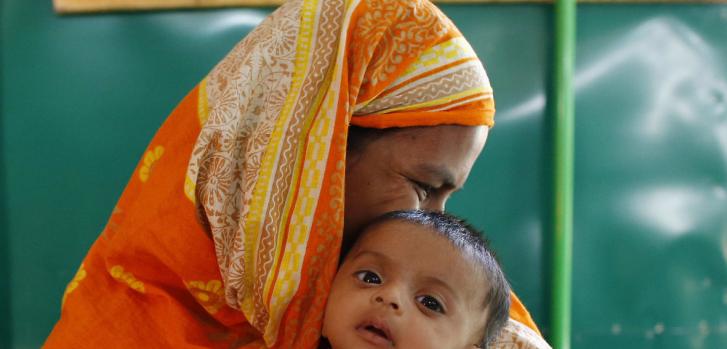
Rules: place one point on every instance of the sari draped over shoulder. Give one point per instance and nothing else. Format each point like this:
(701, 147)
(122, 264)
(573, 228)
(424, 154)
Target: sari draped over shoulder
(228, 234)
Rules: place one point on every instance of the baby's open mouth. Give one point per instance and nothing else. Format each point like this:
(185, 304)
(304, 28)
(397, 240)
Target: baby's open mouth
(376, 333)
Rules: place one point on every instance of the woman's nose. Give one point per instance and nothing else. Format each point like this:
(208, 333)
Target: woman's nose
(435, 204)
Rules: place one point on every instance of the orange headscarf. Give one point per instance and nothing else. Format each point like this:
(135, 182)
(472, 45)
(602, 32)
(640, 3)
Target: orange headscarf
(229, 232)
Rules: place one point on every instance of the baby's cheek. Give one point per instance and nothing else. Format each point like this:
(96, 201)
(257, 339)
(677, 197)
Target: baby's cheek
(328, 314)
(336, 305)
(428, 333)
(419, 334)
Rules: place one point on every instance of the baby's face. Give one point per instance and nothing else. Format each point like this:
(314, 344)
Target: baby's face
(404, 286)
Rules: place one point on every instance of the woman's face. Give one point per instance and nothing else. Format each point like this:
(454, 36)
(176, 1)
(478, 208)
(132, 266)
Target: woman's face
(411, 168)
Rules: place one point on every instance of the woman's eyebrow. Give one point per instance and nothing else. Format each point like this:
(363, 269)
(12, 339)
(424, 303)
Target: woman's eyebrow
(440, 172)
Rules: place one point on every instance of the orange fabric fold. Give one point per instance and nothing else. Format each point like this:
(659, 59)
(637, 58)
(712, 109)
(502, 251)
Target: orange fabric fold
(150, 279)
(409, 119)
(519, 313)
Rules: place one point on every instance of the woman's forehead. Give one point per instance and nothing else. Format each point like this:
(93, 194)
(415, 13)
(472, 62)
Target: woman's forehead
(447, 151)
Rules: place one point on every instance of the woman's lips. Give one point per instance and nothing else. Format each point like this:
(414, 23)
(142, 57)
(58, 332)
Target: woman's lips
(376, 333)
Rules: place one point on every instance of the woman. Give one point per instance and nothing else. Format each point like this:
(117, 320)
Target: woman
(230, 231)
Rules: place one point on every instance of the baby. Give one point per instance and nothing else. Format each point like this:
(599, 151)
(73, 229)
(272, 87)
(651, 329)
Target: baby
(419, 280)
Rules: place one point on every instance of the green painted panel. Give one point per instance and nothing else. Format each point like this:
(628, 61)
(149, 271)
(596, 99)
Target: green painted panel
(82, 96)
(651, 178)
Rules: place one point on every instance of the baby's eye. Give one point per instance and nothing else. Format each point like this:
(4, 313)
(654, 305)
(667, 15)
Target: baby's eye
(431, 303)
(368, 277)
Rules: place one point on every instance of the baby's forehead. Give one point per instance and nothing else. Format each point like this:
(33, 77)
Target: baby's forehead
(395, 230)
(421, 248)
(392, 231)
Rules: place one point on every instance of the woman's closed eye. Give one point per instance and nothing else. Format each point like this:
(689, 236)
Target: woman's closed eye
(368, 277)
(423, 190)
(431, 303)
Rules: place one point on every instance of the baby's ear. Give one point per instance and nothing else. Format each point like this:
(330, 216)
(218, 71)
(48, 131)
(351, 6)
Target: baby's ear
(475, 346)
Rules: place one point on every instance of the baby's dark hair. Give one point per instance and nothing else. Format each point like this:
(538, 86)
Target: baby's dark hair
(470, 242)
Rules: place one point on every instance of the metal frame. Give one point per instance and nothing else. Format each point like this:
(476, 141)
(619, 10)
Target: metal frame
(563, 140)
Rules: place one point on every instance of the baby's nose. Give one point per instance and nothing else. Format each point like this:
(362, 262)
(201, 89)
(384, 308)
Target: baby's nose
(380, 299)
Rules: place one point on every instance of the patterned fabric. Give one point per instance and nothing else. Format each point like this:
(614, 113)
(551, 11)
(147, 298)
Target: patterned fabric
(515, 335)
(229, 232)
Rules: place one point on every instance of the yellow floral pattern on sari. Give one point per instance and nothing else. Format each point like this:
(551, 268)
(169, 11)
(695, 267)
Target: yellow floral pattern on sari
(151, 157)
(210, 295)
(80, 275)
(118, 273)
(189, 189)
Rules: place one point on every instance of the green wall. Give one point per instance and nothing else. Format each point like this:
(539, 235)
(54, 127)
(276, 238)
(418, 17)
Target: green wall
(82, 95)
(651, 176)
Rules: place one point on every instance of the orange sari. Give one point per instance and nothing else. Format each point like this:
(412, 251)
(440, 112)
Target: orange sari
(228, 233)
